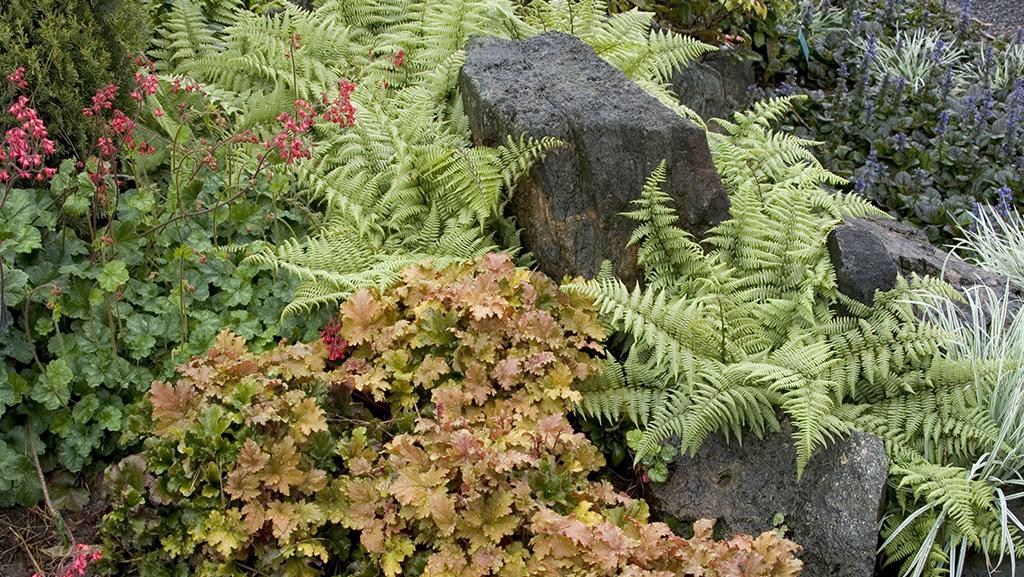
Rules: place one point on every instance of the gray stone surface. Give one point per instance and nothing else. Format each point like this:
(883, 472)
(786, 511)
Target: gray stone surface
(863, 265)
(716, 86)
(859, 260)
(615, 133)
(832, 511)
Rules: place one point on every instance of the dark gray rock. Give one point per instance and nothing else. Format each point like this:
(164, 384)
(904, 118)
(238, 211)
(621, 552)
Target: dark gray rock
(699, 88)
(865, 252)
(615, 133)
(863, 265)
(832, 511)
(716, 86)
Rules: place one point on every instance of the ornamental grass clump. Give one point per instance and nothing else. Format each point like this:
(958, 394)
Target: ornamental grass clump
(945, 500)
(996, 241)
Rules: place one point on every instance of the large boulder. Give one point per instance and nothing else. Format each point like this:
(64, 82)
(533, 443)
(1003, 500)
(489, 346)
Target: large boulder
(615, 135)
(833, 511)
(716, 85)
(867, 253)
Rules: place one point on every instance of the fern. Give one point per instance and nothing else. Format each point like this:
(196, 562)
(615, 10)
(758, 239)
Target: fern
(404, 183)
(720, 339)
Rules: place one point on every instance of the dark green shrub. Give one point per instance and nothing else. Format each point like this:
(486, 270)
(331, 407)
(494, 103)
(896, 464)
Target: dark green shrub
(69, 49)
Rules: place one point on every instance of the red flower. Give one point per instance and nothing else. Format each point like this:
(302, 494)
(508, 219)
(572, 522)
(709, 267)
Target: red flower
(340, 110)
(399, 59)
(102, 100)
(336, 346)
(289, 142)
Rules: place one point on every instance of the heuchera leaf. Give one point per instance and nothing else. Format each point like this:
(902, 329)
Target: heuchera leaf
(113, 275)
(53, 387)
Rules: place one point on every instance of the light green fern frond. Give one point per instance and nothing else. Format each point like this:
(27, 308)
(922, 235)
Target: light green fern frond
(184, 37)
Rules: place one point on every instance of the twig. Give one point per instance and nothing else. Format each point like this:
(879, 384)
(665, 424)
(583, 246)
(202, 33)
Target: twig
(30, 440)
(28, 550)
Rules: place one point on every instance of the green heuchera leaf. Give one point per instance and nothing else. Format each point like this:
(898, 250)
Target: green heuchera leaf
(114, 274)
(53, 387)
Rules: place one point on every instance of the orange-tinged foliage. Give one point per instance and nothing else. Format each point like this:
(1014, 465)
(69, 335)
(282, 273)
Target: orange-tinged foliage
(493, 480)
(235, 470)
(467, 467)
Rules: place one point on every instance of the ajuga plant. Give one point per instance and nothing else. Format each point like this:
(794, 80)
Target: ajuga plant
(919, 109)
(398, 179)
(235, 476)
(491, 479)
(718, 340)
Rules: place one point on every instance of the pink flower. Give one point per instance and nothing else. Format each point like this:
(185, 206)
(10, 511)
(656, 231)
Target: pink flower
(102, 100)
(296, 43)
(399, 59)
(158, 112)
(146, 85)
(288, 142)
(340, 110)
(25, 146)
(17, 78)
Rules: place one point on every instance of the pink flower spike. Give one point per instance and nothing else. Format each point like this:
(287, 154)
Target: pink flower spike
(17, 78)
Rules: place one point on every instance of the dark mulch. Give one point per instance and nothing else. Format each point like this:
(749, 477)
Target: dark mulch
(30, 541)
(1000, 16)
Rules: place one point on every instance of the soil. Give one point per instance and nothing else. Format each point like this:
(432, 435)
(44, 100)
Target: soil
(1000, 16)
(30, 541)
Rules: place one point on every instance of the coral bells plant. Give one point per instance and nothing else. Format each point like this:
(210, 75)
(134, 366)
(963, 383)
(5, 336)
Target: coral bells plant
(439, 446)
(27, 144)
(81, 557)
(237, 471)
(22, 159)
(492, 479)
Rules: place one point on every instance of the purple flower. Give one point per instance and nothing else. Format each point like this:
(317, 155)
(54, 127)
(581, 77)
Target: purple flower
(1005, 203)
(868, 172)
(965, 14)
(947, 81)
(943, 122)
